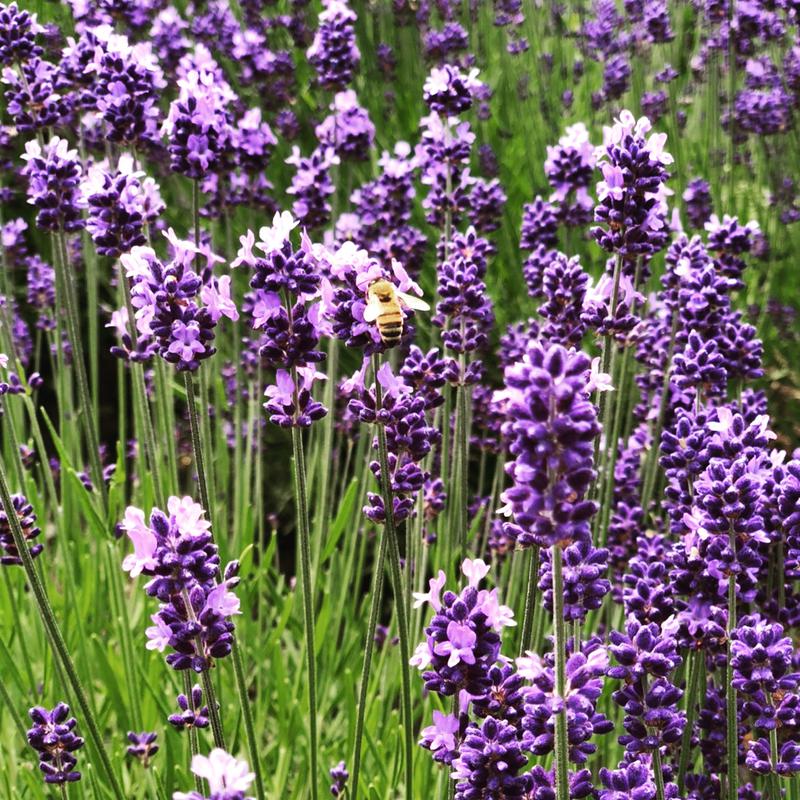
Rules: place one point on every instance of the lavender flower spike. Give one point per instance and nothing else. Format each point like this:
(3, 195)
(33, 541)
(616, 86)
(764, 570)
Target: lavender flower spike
(52, 736)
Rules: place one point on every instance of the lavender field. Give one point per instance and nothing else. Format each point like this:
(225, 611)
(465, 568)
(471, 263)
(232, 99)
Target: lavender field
(400, 399)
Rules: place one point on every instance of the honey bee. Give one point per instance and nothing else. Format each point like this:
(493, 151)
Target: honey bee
(385, 304)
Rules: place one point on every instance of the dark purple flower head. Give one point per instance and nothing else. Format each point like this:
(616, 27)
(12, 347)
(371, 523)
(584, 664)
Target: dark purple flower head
(505, 697)
(54, 174)
(449, 91)
(463, 641)
(632, 781)
(23, 511)
(539, 225)
(564, 285)
(52, 736)
(197, 126)
(115, 211)
(569, 168)
(631, 202)
(166, 297)
(551, 426)
(348, 130)
(18, 31)
(697, 197)
(142, 746)
(334, 53)
(127, 82)
(312, 185)
(339, 776)
(584, 685)
(616, 77)
(193, 714)
(761, 657)
(31, 99)
(489, 762)
(177, 551)
(584, 576)
(642, 650)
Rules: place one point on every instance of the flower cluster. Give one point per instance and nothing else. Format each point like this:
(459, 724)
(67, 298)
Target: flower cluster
(53, 736)
(26, 517)
(284, 282)
(550, 428)
(176, 551)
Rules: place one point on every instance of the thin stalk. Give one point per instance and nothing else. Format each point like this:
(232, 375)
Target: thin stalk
(560, 646)
(530, 600)
(376, 599)
(398, 584)
(301, 501)
(197, 449)
(692, 685)
(56, 637)
(214, 717)
(774, 778)
(69, 298)
(208, 685)
(194, 746)
(732, 732)
(247, 715)
(462, 459)
(651, 466)
(658, 774)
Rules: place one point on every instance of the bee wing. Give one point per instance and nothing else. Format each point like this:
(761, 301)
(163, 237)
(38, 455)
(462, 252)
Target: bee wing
(372, 311)
(413, 302)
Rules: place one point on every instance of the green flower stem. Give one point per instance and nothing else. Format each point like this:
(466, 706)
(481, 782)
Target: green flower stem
(560, 646)
(69, 300)
(214, 716)
(398, 585)
(148, 436)
(732, 731)
(530, 600)
(774, 778)
(658, 774)
(692, 687)
(56, 637)
(651, 466)
(247, 715)
(376, 599)
(301, 501)
(197, 449)
(194, 746)
(208, 685)
(461, 477)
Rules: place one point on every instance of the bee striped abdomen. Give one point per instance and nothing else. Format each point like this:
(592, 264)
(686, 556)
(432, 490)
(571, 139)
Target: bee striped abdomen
(390, 327)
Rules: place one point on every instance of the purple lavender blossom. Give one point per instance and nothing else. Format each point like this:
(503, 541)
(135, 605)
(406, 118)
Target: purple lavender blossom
(550, 427)
(630, 196)
(177, 552)
(697, 197)
(463, 640)
(339, 776)
(193, 714)
(142, 746)
(348, 129)
(489, 761)
(52, 736)
(334, 53)
(23, 511)
(54, 174)
(18, 31)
